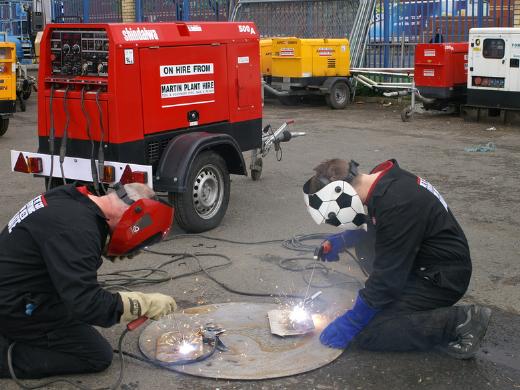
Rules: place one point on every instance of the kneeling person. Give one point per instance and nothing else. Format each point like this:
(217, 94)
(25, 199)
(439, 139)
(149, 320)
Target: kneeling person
(50, 252)
(421, 264)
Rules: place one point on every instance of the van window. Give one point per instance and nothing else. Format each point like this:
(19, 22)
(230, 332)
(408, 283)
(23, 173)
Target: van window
(494, 48)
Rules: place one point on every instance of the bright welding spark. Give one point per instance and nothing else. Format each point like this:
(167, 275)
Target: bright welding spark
(186, 348)
(299, 314)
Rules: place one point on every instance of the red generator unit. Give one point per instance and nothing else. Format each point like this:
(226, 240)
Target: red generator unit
(172, 105)
(440, 75)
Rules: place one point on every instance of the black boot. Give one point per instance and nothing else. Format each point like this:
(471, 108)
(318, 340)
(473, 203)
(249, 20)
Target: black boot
(469, 333)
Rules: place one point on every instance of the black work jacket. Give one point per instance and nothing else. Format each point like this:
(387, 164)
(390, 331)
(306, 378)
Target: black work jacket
(49, 255)
(416, 236)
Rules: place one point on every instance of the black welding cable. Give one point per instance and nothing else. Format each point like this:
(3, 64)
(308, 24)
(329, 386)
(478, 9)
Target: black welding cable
(93, 168)
(114, 386)
(295, 243)
(101, 151)
(51, 138)
(64, 138)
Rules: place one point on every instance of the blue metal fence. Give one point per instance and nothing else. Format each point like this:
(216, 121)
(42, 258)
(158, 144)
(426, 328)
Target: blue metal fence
(145, 10)
(399, 25)
(88, 11)
(171, 10)
(13, 18)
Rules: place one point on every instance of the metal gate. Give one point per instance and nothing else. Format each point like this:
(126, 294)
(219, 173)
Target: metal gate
(88, 11)
(300, 18)
(397, 26)
(171, 10)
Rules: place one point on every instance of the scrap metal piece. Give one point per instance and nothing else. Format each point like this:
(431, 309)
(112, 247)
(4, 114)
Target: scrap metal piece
(281, 324)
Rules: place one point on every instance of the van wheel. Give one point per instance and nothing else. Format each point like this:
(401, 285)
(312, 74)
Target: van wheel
(339, 95)
(4, 124)
(206, 199)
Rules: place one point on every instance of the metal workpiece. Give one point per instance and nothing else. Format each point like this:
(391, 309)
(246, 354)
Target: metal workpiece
(253, 352)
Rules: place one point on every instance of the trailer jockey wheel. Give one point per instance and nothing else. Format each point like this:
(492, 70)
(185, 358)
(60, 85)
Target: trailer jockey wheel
(4, 124)
(206, 199)
(406, 113)
(339, 95)
(256, 169)
(26, 90)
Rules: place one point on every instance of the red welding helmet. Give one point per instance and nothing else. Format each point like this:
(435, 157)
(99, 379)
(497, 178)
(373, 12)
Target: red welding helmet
(144, 223)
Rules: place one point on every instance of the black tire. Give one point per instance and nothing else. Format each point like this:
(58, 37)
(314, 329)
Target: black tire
(406, 113)
(206, 199)
(338, 96)
(4, 124)
(26, 90)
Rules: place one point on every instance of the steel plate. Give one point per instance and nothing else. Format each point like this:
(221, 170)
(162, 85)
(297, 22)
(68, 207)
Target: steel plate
(254, 353)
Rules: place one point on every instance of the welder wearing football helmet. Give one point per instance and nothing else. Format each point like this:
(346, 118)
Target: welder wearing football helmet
(50, 297)
(421, 263)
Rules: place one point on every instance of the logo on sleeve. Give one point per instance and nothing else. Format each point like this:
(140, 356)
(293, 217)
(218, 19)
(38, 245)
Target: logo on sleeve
(429, 187)
(35, 204)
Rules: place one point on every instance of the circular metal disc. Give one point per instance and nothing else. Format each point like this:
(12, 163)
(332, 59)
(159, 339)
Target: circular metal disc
(254, 353)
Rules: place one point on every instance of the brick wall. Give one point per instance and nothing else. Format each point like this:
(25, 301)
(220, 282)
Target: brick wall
(128, 10)
(516, 19)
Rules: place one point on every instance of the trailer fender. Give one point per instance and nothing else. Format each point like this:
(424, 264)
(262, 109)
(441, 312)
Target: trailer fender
(176, 161)
(330, 81)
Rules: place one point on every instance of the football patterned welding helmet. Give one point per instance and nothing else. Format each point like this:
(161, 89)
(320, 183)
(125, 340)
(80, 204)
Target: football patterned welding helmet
(335, 202)
(144, 223)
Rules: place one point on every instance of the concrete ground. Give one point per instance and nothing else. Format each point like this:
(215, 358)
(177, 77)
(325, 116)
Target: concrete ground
(481, 189)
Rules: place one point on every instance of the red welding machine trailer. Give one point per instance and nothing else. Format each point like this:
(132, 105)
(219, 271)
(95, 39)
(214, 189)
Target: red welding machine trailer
(440, 75)
(172, 105)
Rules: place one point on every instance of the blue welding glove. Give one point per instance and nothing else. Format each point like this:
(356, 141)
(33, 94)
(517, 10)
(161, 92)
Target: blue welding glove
(330, 248)
(340, 332)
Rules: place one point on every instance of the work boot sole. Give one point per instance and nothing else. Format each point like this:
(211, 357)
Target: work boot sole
(479, 322)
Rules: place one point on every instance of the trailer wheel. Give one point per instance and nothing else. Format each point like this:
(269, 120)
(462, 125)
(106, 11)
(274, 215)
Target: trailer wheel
(4, 124)
(206, 199)
(406, 113)
(338, 96)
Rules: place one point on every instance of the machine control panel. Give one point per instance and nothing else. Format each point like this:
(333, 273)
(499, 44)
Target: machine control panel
(79, 53)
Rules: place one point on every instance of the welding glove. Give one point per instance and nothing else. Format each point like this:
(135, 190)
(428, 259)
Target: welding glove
(330, 248)
(137, 304)
(340, 332)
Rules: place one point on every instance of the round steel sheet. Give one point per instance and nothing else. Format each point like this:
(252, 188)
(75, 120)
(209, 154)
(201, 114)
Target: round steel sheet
(254, 353)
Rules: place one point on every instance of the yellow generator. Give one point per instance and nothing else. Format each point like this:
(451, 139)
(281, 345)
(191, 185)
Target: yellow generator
(302, 67)
(7, 84)
(266, 51)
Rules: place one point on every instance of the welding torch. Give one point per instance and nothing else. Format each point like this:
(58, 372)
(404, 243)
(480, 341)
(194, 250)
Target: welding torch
(321, 250)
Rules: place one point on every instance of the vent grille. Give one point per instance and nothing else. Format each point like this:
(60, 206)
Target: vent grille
(331, 63)
(155, 149)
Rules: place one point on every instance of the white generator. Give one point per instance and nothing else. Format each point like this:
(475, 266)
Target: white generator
(494, 68)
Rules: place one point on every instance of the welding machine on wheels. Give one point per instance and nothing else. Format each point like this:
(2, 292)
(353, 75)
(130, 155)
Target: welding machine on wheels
(7, 84)
(440, 74)
(297, 67)
(171, 105)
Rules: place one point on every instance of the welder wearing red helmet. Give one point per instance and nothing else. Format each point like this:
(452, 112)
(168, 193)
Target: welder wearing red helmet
(50, 297)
